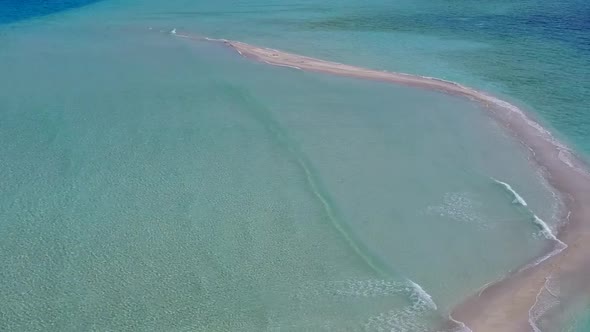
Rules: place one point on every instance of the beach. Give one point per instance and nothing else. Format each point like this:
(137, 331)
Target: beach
(506, 305)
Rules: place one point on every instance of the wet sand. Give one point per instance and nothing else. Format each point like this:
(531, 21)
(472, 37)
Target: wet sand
(507, 304)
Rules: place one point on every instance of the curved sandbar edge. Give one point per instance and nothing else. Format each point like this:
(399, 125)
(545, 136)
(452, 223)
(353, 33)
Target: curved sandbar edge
(505, 305)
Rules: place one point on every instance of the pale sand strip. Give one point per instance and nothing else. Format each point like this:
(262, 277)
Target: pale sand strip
(505, 305)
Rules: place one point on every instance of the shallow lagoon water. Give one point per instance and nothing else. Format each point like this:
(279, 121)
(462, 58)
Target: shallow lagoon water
(154, 183)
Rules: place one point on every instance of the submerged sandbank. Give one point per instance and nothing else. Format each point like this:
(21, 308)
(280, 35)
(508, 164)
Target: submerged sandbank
(507, 304)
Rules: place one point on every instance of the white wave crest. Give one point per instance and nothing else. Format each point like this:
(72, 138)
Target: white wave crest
(517, 198)
(376, 288)
(421, 296)
(548, 233)
(545, 230)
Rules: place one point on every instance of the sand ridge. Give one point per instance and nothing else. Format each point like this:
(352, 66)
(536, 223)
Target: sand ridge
(505, 305)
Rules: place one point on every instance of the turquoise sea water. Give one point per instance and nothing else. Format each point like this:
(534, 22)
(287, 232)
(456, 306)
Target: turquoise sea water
(583, 324)
(154, 183)
(534, 52)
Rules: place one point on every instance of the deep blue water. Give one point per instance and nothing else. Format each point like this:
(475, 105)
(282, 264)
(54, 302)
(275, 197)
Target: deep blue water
(17, 10)
(538, 51)
(566, 22)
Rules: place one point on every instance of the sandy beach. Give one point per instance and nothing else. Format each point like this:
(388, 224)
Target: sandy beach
(505, 305)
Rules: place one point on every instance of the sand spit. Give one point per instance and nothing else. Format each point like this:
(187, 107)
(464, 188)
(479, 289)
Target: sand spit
(505, 305)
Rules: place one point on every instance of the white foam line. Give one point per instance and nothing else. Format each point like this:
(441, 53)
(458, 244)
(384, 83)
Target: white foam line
(517, 198)
(531, 320)
(216, 40)
(464, 327)
(484, 287)
(561, 247)
(565, 156)
(558, 202)
(280, 65)
(423, 295)
(545, 229)
(547, 279)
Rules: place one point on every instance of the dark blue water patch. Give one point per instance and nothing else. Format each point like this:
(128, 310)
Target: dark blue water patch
(537, 51)
(567, 21)
(17, 10)
(572, 28)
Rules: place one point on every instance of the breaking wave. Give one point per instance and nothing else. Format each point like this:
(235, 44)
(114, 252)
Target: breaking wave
(546, 231)
(517, 198)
